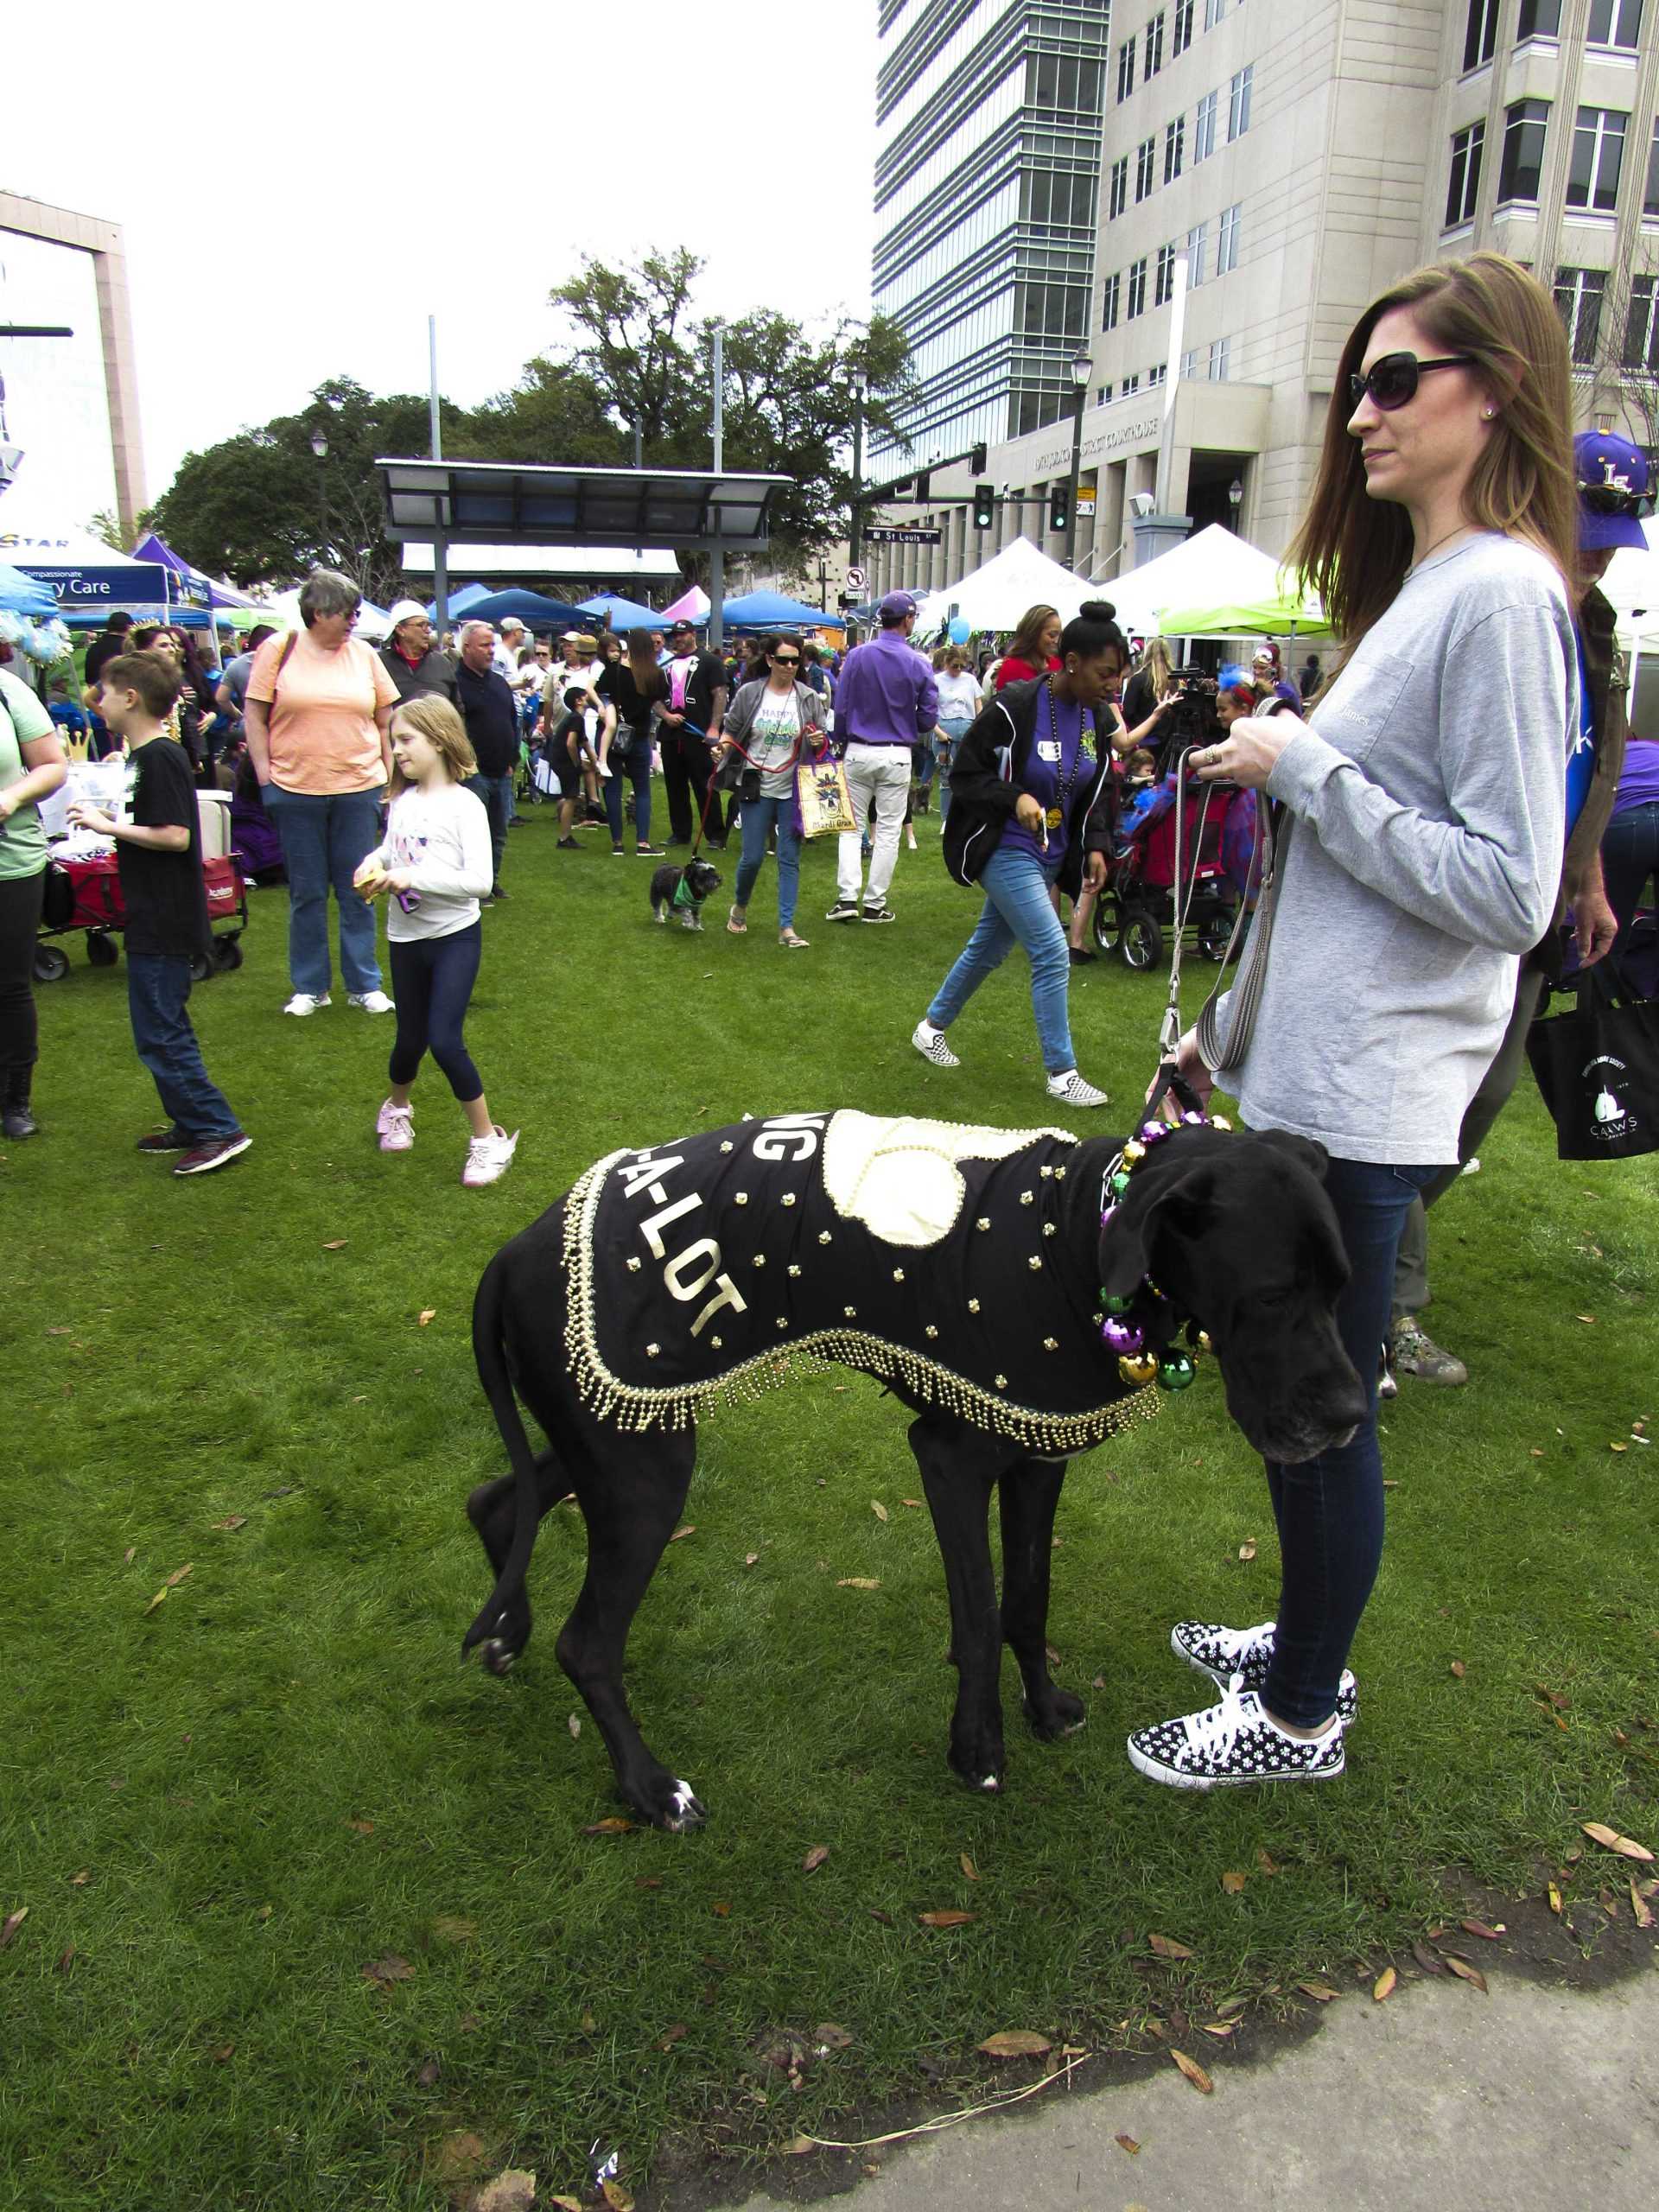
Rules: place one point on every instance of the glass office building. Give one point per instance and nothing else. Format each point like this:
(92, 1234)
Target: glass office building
(989, 129)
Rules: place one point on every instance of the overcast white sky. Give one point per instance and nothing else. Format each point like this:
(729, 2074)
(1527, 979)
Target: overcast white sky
(300, 189)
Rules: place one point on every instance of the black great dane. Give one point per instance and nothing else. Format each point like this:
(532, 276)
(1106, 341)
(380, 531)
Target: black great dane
(965, 1269)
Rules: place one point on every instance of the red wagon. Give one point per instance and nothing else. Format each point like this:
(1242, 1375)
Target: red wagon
(86, 895)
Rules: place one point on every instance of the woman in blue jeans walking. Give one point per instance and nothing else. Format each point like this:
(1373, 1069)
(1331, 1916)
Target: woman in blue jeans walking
(772, 725)
(1423, 806)
(1028, 797)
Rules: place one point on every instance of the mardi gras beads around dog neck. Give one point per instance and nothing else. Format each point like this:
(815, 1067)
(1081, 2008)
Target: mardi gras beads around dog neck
(1141, 1328)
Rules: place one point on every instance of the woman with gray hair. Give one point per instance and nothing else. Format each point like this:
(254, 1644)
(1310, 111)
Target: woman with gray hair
(319, 706)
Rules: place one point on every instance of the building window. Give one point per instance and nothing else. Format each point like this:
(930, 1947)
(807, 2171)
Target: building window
(1130, 384)
(1461, 193)
(1238, 103)
(1220, 355)
(1067, 80)
(1641, 326)
(1180, 31)
(1155, 376)
(1539, 19)
(1103, 395)
(1197, 246)
(1146, 169)
(1189, 362)
(1482, 34)
(1155, 46)
(1119, 198)
(1213, 12)
(1227, 241)
(1203, 128)
(1598, 158)
(1164, 286)
(1615, 23)
(1174, 147)
(1108, 302)
(1650, 196)
(1137, 300)
(1125, 69)
(1578, 294)
(1523, 149)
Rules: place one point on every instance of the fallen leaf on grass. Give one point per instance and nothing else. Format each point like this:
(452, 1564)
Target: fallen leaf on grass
(1194, 2073)
(1617, 1446)
(67, 1959)
(428, 2071)
(1167, 1948)
(613, 1823)
(426, 1313)
(233, 1521)
(689, 1529)
(858, 1582)
(1643, 1913)
(1384, 1985)
(798, 2147)
(1220, 2029)
(363, 1828)
(1459, 1669)
(574, 1724)
(449, 1928)
(1247, 1549)
(1233, 2005)
(914, 1503)
(722, 1911)
(264, 1912)
(616, 2196)
(749, 1558)
(1430, 1961)
(1232, 1882)
(458, 2156)
(670, 2037)
(385, 1971)
(9, 1926)
(1479, 1928)
(1128, 2143)
(1610, 1840)
(951, 1918)
(1267, 1865)
(1555, 1899)
(1465, 1971)
(79, 1881)
(335, 1244)
(567, 2203)
(62, 1331)
(130, 1554)
(830, 2034)
(815, 1859)
(968, 1867)
(878, 1509)
(1016, 2043)
(1319, 1992)
(512, 2190)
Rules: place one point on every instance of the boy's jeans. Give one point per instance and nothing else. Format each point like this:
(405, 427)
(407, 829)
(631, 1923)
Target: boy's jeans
(158, 988)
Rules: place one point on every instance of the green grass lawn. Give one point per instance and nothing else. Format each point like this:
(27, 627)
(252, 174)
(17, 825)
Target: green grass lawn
(220, 1811)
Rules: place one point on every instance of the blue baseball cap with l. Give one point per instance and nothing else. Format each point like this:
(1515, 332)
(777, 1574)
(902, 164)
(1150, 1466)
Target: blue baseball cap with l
(1612, 480)
(897, 605)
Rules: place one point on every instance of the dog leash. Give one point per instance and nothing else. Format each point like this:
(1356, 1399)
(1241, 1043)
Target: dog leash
(1251, 982)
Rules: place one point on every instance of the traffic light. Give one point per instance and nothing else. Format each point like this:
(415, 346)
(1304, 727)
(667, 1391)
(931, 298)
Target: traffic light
(984, 507)
(976, 464)
(923, 483)
(1059, 507)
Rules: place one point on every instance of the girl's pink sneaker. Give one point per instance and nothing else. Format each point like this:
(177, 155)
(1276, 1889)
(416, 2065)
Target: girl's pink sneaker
(394, 1127)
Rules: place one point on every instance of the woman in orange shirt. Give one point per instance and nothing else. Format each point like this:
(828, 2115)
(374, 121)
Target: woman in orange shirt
(319, 706)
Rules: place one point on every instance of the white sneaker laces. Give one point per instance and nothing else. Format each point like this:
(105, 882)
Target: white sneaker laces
(1212, 1734)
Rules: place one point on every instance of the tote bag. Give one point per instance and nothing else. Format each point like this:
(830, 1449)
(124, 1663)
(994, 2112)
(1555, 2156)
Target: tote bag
(825, 804)
(1598, 1067)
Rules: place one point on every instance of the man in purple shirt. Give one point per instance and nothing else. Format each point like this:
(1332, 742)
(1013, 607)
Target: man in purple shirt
(885, 698)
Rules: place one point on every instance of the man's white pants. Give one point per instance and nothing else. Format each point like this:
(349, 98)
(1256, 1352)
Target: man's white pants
(880, 772)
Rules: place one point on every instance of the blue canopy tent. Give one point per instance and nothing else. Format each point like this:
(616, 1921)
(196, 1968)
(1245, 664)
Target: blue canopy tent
(22, 595)
(90, 581)
(623, 614)
(770, 610)
(459, 602)
(530, 608)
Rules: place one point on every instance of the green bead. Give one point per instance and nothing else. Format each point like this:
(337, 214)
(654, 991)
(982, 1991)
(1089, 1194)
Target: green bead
(1175, 1370)
(1116, 1304)
(1120, 1183)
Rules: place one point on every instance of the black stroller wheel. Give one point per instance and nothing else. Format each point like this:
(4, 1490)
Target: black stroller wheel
(1143, 940)
(201, 967)
(1107, 923)
(101, 949)
(1215, 931)
(51, 964)
(227, 954)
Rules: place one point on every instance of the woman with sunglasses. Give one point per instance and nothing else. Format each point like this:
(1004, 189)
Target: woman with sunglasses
(1423, 804)
(772, 725)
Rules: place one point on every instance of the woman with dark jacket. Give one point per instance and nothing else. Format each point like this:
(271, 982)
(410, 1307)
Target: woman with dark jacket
(1031, 809)
(634, 687)
(412, 660)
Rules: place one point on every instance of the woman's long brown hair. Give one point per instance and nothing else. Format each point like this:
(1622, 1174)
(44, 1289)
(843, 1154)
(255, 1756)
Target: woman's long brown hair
(1026, 643)
(1356, 549)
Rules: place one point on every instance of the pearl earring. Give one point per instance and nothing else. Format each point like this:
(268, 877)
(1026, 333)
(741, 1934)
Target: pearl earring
(1488, 414)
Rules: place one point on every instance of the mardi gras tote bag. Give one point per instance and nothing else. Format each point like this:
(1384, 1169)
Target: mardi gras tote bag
(825, 804)
(1598, 1067)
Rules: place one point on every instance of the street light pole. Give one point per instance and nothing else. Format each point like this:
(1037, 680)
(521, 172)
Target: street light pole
(320, 446)
(855, 529)
(1082, 368)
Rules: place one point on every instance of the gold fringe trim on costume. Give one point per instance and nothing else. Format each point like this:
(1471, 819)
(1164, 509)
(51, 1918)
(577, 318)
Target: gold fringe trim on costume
(636, 1407)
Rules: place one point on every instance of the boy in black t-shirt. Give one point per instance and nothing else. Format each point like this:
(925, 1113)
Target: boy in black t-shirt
(158, 849)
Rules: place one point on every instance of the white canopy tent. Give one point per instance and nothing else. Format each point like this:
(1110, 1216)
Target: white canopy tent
(995, 596)
(1214, 568)
(284, 611)
(1631, 585)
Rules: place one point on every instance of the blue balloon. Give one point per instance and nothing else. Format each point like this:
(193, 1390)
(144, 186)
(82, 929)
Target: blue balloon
(960, 631)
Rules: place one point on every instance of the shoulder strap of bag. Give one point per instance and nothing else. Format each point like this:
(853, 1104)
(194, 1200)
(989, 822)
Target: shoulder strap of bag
(1225, 1057)
(282, 659)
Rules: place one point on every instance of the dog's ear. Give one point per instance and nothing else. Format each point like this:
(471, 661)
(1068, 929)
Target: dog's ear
(1312, 1154)
(1182, 1205)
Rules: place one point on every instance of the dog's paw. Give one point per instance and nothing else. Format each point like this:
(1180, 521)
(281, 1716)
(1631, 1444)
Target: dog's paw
(498, 1655)
(668, 1802)
(685, 1809)
(1056, 1712)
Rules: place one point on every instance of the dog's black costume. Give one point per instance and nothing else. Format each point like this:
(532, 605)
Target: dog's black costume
(963, 1267)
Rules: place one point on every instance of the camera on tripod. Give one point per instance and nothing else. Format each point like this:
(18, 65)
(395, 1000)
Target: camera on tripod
(1191, 718)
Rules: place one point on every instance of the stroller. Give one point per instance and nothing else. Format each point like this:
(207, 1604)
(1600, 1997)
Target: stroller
(1138, 903)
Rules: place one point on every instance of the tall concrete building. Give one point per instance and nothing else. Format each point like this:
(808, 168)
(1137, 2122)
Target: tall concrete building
(1303, 155)
(988, 159)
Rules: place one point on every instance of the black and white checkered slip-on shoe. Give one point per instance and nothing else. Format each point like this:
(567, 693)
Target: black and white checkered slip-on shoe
(1231, 1744)
(929, 1043)
(1221, 1653)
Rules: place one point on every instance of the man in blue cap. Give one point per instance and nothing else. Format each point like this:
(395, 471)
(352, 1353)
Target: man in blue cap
(1612, 487)
(884, 700)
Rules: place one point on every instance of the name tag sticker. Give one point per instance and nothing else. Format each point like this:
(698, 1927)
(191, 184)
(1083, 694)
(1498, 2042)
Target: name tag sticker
(1048, 748)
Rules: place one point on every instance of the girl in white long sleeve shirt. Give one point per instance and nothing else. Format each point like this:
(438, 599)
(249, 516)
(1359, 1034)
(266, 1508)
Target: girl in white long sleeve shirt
(435, 864)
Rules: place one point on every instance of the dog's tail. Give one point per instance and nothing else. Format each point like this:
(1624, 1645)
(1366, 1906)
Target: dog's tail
(489, 1350)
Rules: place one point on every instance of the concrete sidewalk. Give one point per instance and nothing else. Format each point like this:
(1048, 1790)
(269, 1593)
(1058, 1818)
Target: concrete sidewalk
(1534, 2098)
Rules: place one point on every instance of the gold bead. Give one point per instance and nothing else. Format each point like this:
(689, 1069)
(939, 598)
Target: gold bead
(1026, 1196)
(788, 1198)
(1220, 1122)
(716, 1342)
(851, 1312)
(1059, 1174)
(1134, 1150)
(984, 1221)
(1002, 1382)
(794, 1271)
(633, 1266)
(783, 1320)
(1050, 1343)
(740, 1197)
(1035, 1262)
(1046, 1172)
(651, 1351)
(759, 1260)
(897, 1274)
(973, 1306)
(824, 1237)
(727, 1147)
(1049, 1229)
(932, 1331)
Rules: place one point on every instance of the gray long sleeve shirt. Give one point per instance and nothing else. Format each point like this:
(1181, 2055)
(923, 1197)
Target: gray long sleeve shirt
(1429, 793)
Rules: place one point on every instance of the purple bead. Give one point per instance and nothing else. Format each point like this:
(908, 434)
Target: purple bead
(1193, 1119)
(1154, 1132)
(1122, 1337)
(1108, 1216)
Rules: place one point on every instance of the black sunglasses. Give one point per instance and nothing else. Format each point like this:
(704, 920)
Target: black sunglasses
(786, 660)
(1608, 500)
(1392, 380)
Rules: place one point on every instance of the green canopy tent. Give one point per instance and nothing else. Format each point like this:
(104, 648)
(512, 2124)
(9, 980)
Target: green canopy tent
(1286, 613)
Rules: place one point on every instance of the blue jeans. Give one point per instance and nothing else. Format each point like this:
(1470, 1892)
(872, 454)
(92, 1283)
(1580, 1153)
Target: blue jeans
(1017, 911)
(756, 820)
(635, 765)
(1330, 1510)
(158, 989)
(326, 835)
(1629, 854)
(496, 791)
(949, 733)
